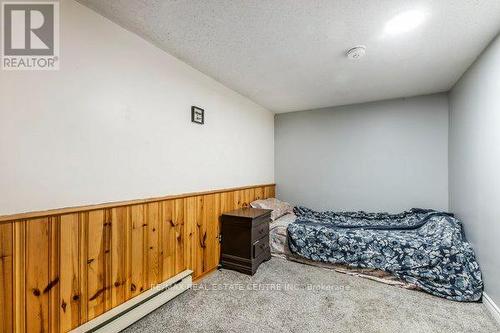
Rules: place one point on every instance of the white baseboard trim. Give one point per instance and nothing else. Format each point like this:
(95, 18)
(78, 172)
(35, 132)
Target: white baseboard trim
(492, 307)
(131, 311)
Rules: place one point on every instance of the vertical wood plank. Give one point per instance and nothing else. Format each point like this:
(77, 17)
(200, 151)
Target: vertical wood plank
(238, 199)
(200, 237)
(53, 288)
(119, 251)
(210, 240)
(6, 275)
(248, 197)
(83, 263)
(227, 201)
(189, 233)
(108, 284)
(128, 255)
(95, 263)
(168, 240)
(137, 251)
(69, 301)
(145, 249)
(259, 193)
(20, 276)
(153, 244)
(37, 278)
(218, 213)
(179, 219)
(269, 192)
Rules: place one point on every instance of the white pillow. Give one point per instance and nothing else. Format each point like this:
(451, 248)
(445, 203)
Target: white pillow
(279, 208)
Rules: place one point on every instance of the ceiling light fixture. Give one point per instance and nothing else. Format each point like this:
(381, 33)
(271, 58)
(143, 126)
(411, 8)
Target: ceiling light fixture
(404, 22)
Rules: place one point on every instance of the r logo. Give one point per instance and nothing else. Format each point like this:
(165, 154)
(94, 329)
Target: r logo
(28, 29)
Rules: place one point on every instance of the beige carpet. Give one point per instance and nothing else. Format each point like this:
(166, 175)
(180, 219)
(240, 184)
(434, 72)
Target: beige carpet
(285, 296)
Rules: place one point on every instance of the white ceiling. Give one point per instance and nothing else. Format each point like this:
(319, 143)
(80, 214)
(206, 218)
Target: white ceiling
(289, 55)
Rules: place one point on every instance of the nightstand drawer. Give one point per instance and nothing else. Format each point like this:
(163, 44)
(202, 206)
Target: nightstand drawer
(260, 247)
(260, 231)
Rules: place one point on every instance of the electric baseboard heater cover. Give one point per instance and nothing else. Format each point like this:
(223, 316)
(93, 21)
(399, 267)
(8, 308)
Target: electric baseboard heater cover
(124, 315)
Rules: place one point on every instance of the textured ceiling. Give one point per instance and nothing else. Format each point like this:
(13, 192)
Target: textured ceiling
(289, 55)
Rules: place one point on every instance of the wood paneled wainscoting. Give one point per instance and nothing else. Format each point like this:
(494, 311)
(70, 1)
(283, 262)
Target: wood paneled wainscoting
(62, 268)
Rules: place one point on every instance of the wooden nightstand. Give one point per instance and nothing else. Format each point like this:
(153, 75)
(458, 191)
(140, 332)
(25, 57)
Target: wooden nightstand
(245, 239)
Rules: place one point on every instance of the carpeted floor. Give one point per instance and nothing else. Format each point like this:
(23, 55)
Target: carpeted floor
(285, 296)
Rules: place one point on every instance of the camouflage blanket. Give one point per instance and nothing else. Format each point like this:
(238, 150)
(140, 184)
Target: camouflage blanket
(425, 248)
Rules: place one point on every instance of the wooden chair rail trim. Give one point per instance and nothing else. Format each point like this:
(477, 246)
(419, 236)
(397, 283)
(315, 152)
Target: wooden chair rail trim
(78, 209)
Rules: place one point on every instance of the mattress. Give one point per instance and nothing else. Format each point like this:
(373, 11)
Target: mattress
(278, 242)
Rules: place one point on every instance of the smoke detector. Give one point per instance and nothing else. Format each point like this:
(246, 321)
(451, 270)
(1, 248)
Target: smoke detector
(356, 52)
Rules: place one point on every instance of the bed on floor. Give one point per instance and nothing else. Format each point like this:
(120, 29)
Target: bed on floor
(418, 249)
(278, 242)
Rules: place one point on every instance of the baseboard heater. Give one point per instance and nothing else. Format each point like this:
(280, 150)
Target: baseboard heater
(131, 311)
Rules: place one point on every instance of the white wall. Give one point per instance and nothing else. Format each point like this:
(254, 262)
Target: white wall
(114, 124)
(475, 161)
(384, 156)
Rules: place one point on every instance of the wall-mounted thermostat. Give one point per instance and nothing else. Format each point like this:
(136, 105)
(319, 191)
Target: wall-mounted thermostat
(197, 115)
